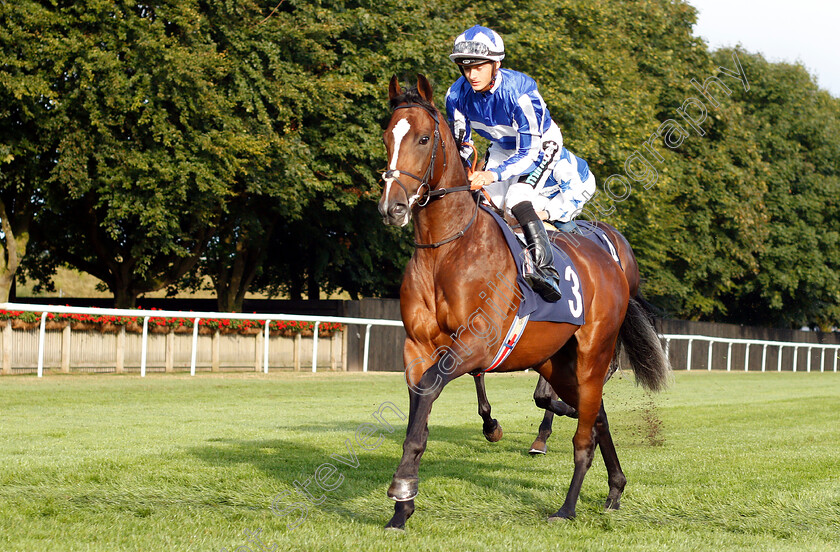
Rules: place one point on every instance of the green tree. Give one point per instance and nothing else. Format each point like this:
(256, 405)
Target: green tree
(346, 52)
(331, 252)
(275, 87)
(795, 124)
(158, 130)
(28, 128)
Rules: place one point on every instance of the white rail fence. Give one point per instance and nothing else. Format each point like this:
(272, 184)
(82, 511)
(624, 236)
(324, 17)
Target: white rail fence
(777, 346)
(368, 323)
(196, 317)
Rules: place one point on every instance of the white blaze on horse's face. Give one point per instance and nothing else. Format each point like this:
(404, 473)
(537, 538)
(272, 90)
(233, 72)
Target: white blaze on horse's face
(399, 131)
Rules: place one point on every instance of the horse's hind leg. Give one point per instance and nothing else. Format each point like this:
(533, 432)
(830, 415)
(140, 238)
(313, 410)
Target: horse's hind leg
(584, 441)
(539, 445)
(615, 476)
(492, 429)
(543, 395)
(546, 398)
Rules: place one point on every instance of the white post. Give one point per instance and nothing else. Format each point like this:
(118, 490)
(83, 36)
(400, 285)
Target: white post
(836, 352)
(779, 367)
(795, 355)
(315, 348)
(688, 357)
(265, 349)
(729, 358)
(763, 356)
(258, 350)
(41, 336)
(194, 346)
(367, 348)
(144, 344)
(65, 347)
(709, 361)
(822, 359)
(747, 358)
(668, 350)
(344, 339)
(7, 347)
(169, 351)
(215, 351)
(809, 359)
(119, 365)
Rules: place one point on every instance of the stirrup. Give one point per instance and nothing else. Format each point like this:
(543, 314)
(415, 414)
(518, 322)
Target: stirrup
(571, 227)
(546, 287)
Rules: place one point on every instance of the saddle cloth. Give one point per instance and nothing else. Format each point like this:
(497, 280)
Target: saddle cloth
(569, 309)
(594, 233)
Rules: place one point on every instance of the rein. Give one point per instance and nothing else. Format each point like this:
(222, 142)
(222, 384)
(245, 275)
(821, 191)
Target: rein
(429, 194)
(453, 237)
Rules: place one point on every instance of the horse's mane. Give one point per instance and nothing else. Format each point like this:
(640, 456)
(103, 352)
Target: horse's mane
(412, 95)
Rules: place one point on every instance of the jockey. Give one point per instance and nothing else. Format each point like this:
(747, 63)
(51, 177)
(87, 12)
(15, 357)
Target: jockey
(526, 168)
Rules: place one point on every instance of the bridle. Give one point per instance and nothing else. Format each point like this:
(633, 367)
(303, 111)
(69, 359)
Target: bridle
(429, 194)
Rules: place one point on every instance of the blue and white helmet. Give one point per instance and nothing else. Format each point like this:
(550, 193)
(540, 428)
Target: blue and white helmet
(477, 45)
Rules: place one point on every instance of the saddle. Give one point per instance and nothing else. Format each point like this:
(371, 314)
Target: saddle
(570, 308)
(532, 307)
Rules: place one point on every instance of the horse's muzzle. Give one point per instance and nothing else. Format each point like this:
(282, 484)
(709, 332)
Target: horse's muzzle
(397, 214)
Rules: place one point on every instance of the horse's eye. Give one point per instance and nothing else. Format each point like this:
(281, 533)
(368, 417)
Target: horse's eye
(424, 140)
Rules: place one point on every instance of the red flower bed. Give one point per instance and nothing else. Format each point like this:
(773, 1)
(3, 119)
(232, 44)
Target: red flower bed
(161, 324)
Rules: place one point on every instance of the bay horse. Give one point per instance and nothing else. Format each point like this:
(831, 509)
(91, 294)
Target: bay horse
(544, 396)
(460, 266)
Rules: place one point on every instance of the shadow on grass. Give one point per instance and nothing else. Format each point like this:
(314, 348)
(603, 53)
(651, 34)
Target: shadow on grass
(456, 453)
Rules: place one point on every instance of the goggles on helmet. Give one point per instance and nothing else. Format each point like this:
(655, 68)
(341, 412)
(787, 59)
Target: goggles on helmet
(478, 48)
(471, 48)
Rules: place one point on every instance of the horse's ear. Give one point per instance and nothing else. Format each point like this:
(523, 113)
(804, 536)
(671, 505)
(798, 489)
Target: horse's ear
(425, 88)
(394, 88)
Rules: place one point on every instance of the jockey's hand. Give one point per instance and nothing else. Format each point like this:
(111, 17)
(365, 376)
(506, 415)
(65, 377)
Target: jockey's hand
(479, 179)
(543, 215)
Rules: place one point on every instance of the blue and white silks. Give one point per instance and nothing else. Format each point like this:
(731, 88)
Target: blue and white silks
(514, 117)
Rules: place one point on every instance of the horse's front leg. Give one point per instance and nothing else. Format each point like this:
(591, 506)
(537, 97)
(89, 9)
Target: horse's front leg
(492, 429)
(404, 486)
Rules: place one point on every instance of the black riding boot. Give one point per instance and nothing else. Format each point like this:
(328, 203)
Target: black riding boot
(544, 280)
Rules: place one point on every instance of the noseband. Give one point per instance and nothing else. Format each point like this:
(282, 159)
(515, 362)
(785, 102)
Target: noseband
(426, 196)
(430, 170)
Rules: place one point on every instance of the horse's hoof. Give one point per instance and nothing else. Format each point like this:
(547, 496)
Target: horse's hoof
(495, 434)
(402, 511)
(612, 504)
(538, 448)
(561, 515)
(403, 489)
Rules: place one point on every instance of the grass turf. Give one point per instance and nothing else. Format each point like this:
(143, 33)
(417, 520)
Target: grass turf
(725, 461)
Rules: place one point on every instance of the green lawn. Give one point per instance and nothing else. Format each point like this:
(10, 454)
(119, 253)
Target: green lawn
(719, 462)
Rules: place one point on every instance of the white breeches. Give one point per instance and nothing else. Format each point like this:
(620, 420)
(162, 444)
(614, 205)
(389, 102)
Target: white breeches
(562, 192)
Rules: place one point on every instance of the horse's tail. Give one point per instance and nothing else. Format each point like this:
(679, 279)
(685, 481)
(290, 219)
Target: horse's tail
(644, 349)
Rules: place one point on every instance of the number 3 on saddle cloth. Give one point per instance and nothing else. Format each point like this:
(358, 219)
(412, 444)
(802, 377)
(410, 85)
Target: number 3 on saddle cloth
(532, 307)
